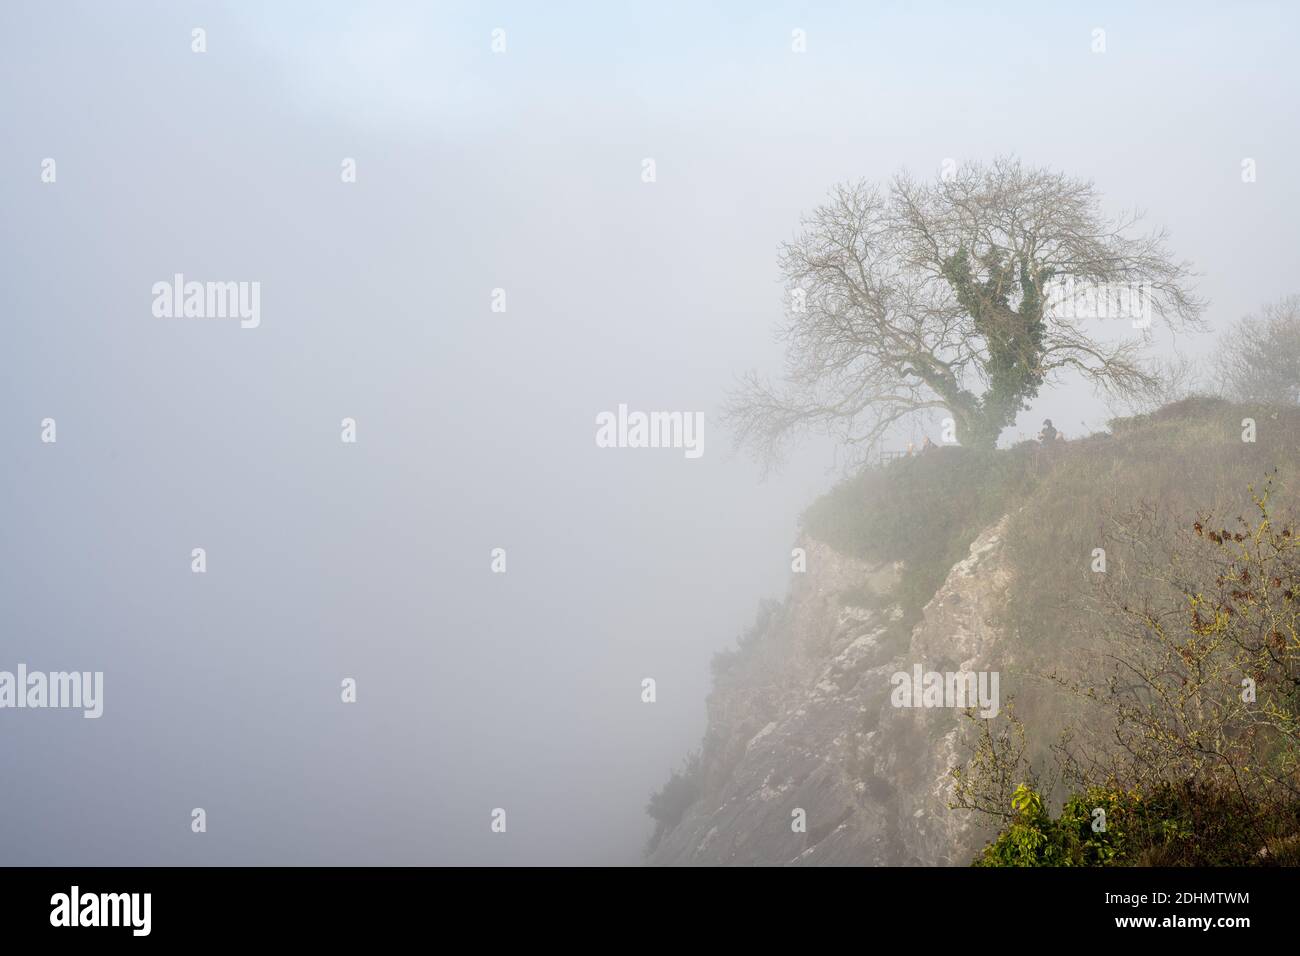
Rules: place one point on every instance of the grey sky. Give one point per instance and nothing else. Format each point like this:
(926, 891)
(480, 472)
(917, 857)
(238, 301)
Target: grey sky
(475, 171)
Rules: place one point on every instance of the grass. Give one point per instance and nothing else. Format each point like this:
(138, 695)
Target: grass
(926, 510)
(1187, 459)
(923, 511)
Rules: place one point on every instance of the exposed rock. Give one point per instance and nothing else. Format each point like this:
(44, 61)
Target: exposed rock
(805, 721)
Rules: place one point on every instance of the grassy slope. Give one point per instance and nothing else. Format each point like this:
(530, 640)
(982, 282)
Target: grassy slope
(1187, 460)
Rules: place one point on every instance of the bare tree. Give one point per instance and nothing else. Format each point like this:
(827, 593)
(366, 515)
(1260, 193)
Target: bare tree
(1260, 355)
(934, 296)
(1174, 378)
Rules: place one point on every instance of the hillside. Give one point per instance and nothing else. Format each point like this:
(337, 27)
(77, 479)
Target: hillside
(956, 561)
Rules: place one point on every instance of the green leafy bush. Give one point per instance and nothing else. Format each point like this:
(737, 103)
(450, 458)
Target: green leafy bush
(1175, 825)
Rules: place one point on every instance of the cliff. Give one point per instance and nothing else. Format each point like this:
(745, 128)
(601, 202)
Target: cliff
(806, 722)
(802, 720)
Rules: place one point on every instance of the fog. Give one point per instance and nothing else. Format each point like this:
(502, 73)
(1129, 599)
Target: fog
(521, 171)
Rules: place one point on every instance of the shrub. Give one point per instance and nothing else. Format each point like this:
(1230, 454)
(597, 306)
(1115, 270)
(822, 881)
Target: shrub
(669, 805)
(923, 510)
(1190, 735)
(725, 660)
(1175, 825)
(1260, 355)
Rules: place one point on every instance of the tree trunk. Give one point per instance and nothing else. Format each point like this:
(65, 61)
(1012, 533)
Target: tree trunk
(978, 430)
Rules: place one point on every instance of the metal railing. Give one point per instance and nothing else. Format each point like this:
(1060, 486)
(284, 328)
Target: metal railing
(886, 457)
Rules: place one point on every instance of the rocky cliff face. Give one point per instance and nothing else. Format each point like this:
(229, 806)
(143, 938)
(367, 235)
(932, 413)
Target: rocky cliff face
(804, 721)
